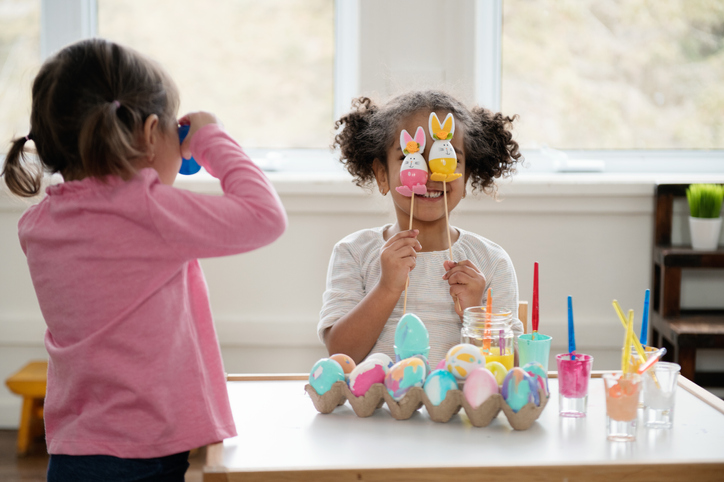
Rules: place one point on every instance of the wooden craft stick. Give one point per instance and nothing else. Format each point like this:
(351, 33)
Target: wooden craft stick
(449, 240)
(407, 283)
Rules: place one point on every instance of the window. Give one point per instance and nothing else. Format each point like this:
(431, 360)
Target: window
(19, 63)
(266, 68)
(634, 74)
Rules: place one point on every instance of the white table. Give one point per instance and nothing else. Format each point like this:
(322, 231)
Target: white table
(282, 437)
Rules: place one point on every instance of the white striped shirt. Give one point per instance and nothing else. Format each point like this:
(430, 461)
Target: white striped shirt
(354, 269)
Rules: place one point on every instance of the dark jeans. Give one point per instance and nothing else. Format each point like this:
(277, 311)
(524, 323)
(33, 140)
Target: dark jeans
(106, 468)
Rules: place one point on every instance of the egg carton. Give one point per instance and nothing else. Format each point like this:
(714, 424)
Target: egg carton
(416, 397)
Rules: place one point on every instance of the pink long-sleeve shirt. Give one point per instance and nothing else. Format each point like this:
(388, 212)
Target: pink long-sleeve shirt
(135, 368)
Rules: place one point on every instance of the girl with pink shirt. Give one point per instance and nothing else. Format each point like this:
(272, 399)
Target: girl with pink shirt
(135, 377)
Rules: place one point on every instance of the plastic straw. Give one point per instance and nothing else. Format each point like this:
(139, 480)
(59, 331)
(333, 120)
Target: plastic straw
(534, 318)
(488, 321)
(571, 331)
(645, 320)
(636, 343)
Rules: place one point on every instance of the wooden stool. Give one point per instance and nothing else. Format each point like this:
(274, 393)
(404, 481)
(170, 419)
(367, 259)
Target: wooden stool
(29, 382)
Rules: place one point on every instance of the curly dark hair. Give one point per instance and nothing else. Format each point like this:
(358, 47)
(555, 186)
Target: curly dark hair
(369, 130)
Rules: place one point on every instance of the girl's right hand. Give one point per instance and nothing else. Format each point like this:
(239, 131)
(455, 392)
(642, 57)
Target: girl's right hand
(195, 121)
(398, 258)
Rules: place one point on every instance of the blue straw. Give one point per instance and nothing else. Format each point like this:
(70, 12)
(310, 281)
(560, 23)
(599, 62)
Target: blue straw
(644, 338)
(571, 331)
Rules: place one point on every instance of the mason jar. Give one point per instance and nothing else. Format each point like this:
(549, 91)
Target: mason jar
(494, 337)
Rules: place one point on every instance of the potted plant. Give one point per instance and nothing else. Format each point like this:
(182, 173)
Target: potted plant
(705, 202)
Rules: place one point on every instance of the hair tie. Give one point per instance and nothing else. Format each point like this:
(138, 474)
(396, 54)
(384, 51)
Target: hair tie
(117, 104)
(29, 137)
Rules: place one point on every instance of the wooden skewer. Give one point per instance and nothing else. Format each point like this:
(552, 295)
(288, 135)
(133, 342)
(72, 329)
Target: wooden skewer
(407, 283)
(449, 240)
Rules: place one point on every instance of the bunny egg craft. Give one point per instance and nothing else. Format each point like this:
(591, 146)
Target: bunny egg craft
(442, 158)
(413, 173)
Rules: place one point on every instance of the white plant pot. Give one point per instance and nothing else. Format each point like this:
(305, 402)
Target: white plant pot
(704, 233)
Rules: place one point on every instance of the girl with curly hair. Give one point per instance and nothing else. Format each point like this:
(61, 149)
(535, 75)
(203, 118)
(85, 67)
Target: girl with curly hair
(368, 269)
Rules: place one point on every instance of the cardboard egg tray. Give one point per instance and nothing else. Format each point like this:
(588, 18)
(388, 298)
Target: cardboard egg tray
(378, 395)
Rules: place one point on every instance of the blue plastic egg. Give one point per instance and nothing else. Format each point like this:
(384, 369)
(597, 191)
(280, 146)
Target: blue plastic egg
(438, 384)
(411, 338)
(519, 389)
(324, 374)
(538, 373)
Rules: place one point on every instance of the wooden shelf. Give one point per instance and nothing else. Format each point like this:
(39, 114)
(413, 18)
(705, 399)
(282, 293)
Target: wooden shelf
(697, 324)
(685, 257)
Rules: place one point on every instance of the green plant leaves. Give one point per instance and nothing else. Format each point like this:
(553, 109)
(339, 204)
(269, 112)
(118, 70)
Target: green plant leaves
(705, 200)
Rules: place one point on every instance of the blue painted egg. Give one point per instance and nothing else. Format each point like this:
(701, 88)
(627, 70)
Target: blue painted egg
(324, 374)
(438, 384)
(463, 359)
(519, 389)
(411, 338)
(404, 375)
(538, 373)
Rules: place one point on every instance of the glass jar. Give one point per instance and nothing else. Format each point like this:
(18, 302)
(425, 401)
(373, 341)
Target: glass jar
(496, 339)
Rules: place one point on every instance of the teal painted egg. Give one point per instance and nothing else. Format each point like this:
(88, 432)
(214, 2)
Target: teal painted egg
(324, 374)
(538, 373)
(404, 375)
(438, 384)
(411, 338)
(519, 389)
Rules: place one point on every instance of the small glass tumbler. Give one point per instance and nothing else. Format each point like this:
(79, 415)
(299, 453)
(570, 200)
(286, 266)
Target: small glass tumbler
(573, 376)
(659, 394)
(534, 347)
(636, 361)
(622, 400)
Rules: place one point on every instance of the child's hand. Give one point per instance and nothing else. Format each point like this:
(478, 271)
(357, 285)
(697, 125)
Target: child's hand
(467, 284)
(196, 120)
(398, 257)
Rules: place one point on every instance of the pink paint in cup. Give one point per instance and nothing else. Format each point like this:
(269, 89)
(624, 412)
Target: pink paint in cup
(573, 376)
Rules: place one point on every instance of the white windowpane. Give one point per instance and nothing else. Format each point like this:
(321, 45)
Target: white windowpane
(633, 74)
(264, 67)
(19, 63)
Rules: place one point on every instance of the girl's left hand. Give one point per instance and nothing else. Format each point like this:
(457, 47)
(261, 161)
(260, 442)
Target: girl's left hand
(467, 284)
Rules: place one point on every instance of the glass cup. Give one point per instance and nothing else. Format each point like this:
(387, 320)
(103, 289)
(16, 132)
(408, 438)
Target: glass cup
(573, 376)
(622, 400)
(659, 394)
(534, 349)
(636, 361)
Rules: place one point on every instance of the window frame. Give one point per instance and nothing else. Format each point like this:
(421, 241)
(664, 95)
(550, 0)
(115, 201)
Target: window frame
(65, 21)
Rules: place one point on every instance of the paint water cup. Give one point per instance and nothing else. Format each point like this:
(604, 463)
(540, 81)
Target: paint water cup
(534, 347)
(573, 376)
(636, 361)
(622, 401)
(659, 388)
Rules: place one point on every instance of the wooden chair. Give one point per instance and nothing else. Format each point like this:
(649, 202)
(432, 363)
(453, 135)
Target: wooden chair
(682, 332)
(30, 383)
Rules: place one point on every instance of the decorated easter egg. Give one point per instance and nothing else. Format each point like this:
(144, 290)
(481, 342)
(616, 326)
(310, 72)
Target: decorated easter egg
(427, 364)
(519, 389)
(404, 375)
(324, 374)
(479, 386)
(498, 370)
(538, 373)
(441, 365)
(382, 359)
(411, 338)
(364, 376)
(345, 361)
(462, 359)
(437, 385)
